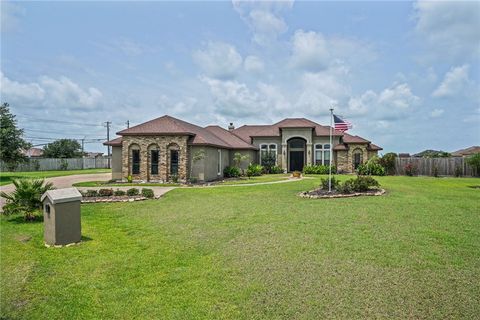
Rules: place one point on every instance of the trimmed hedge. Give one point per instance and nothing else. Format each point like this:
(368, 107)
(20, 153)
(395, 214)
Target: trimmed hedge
(318, 169)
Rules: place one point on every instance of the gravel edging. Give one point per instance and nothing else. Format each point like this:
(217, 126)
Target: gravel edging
(305, 194)
(114, 199)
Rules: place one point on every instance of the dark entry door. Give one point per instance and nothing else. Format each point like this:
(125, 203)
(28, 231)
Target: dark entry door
(296, 160)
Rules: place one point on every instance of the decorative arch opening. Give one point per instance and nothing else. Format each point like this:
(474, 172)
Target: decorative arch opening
(153, 160)
(134, 159)
(173, 154)
(296, 153)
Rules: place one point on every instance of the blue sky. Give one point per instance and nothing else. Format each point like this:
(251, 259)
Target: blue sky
(406, 74)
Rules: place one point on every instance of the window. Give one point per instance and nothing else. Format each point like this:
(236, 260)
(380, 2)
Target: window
(173, 162)
(219, 162)
(154, 161)
(357, 158)
(322, 154)
(268, 153)
(135, 161)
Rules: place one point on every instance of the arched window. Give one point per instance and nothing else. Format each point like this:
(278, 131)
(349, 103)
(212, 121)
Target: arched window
(135, 158)
(268, 153)
(154, 154)
(173, 150)
(322, 154)
(357, 158)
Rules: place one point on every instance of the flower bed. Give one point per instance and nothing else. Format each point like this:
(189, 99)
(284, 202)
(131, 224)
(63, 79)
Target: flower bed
(321, 194)
(360, 186)
(109, 195)
(113, 199)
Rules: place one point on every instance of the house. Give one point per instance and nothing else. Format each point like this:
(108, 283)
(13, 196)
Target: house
(466, 152)
(33, 153)
(93, 155)
(162, 148)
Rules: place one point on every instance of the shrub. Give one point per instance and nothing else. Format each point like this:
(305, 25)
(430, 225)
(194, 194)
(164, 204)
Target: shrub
(276, 170)
(119, 193)
(346, 187)
(387, 161)
(91, 193)
(147, 193)
(129, 179)
(133, 192)
(474, 162)
(334, 184)
(410, 170)
(174, 178)
(105, 192)
(193, 180)
(458, 171)
(231, 172)
(63, 164)
(268, 161)
(318, 169)
(254, 170)
(435, 171)
(371, 167)
(26, 197)
(364, 183)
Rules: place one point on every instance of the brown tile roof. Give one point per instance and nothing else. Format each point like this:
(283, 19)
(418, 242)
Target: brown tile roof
(348, 138)
(33, 152)
(340, 146)
(466, 152)
(229, 138)
(374, 147)
(247, 131)
(117, 142)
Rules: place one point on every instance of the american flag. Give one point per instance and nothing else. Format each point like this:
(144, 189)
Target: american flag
(341, 125)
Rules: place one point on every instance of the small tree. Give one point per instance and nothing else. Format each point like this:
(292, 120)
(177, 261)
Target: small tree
(11, 142)
(388, 162)
(268, 161)
(63, 148)
(238, 158)
(474, 162)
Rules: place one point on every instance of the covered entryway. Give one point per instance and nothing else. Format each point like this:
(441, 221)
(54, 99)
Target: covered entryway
(296, 154)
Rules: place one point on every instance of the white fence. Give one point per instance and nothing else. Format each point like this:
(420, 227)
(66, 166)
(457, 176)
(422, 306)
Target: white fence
(426, 166)
(60, 164)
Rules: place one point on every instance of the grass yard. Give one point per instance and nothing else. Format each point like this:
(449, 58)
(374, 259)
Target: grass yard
(6, 177)
(260, 179)
(256, 252)
(105, 184)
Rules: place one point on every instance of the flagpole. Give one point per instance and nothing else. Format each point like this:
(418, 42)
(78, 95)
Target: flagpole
(330, 164)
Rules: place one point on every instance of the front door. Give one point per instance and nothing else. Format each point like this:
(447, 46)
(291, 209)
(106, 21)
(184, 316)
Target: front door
(296, 160)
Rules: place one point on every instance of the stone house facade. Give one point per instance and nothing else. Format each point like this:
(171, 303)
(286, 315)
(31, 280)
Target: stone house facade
(170, 149)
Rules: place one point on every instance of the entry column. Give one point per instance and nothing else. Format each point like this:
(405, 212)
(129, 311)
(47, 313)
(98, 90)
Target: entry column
(309, 154)
(284, 157)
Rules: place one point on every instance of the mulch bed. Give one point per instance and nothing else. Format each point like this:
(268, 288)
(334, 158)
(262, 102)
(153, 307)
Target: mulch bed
(113, 199)
(324, 194)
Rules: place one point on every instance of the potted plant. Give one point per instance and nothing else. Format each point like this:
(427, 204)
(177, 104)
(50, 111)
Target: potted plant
(296, 174)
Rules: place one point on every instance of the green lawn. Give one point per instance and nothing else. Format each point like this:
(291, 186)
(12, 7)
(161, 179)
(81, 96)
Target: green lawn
(260, 179)
(6, 177)
(256, 252)
(108, 185)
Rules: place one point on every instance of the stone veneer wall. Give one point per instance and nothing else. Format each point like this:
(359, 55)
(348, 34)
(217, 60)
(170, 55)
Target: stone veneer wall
(164, 145)
(345, 158)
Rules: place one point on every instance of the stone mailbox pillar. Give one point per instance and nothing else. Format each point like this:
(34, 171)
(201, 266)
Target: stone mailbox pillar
(61, 216)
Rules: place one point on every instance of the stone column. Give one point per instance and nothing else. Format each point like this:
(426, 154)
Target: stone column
(309, 151)
(284, 157)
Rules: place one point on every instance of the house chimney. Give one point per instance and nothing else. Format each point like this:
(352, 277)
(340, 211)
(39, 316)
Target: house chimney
(231, 126)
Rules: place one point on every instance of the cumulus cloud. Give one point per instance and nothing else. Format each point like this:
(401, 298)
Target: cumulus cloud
(392, 103)
(264, 18)
(449, 27)
(50, 92)
(435, 113)
(218, 60)
(456, 80)
(254, 64)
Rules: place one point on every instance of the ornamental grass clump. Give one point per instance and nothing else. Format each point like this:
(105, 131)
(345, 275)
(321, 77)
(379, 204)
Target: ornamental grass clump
(358, 184)
(26, 197)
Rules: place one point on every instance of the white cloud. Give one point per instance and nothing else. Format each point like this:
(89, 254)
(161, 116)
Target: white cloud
(449, 27)
(436, 113)
(455, 82)
(263, 18)
(11, 13)
(218, 60)
(254, 64)
(309, 51)
(51, 93)
(392, 103)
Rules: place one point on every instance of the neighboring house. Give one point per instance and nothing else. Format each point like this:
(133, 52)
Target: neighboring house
(33, 152)
(161, 148)
(93, 155)
(466, 152)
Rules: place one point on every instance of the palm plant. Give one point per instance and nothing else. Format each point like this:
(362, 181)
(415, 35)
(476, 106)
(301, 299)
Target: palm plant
(26, 197)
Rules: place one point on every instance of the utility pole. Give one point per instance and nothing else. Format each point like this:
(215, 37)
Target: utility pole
(107, 124)
(128, 124)
(83, 152)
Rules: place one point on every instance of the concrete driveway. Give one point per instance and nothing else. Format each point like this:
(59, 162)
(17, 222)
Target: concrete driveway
(68, 181)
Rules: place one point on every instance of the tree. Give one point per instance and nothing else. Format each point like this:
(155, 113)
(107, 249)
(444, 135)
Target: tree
(388, 162)
(474, 162)
(268, 161)
(62, 148)
(11, 142)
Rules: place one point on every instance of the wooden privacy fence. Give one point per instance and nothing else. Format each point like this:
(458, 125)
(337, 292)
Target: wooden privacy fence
(60, 164)
(425, 166)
